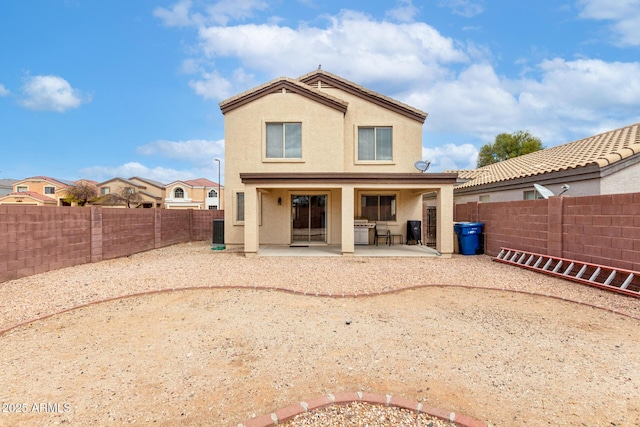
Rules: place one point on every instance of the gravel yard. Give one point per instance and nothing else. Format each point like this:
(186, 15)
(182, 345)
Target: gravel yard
(220, 356)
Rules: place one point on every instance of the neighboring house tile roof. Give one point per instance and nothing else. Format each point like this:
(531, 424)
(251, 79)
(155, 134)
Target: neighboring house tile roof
(31, 194)
(602, 150)
(61, 182)
(148, 181)
(201, 182)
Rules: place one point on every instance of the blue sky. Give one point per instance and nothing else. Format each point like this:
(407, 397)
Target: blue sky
(97, 89)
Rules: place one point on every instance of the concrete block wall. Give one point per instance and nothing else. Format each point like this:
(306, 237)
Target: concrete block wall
(603, 230)
(36, 239)
(597, 229)
(202, 224)
(127, 231)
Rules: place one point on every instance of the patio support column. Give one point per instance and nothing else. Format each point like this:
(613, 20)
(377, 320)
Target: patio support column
(251, 227)
(444, 236)
(348, 215)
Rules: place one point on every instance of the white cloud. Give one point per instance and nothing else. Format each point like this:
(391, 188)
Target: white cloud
(466, 8)
(376, 51)
(127, 170)
(4, 91)
(623, 14)
(181, 14)
(224, 11)
(451, 156)
(405, 12)
(198, 151)
(50, 93)
(178, 16)
(212, 86)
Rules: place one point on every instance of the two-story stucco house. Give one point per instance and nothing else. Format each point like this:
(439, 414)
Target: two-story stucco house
(306, 157)
(198, 193)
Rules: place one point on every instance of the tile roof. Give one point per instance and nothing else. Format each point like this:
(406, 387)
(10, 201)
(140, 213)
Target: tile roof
(31, 194)
(602, 150)
(149, 181)
(363, 92)
(277, 85)
(201, 182)
(61, 182)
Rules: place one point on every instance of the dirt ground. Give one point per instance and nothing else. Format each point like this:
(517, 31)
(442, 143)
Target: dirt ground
(221, 356)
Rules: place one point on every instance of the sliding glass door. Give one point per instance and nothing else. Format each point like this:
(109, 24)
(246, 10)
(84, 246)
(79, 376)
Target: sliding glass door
(308, 218)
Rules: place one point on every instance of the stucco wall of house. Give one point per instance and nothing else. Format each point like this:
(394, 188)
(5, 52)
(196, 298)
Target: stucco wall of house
(245, 139)
(625, 180)
(407, 135)
(590, 187)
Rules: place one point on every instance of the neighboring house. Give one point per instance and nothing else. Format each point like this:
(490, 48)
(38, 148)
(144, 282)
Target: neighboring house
(306, 157)
(193, 194)
(608, 163)
(27, 198)
(138, 192)
(6, 186)
(38, 190)
(150, 186)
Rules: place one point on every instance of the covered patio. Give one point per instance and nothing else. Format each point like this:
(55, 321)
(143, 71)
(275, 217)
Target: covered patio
(360, 250)
(270, 210)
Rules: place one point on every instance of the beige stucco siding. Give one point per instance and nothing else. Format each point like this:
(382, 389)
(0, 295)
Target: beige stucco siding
(406, 132)
(622, 181)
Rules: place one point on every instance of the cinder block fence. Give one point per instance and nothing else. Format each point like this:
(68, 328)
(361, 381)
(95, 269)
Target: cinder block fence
(597, 229)
(35, 239)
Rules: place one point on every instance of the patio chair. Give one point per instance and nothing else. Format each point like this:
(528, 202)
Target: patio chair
(382, 231)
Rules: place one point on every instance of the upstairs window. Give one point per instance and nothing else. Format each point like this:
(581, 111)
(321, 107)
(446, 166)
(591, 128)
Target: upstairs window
(104, 190)
(375, 143)
(213, 193)
(178, 193)
(49, 190)
(22, 188)
(284, 140)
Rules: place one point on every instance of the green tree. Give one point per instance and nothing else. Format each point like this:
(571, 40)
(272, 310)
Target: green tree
(507, 146)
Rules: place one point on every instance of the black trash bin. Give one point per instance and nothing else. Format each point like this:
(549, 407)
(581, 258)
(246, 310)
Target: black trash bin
(414, 232)
(218, 232)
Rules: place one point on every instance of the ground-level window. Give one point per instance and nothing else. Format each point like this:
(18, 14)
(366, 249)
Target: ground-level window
(49, 190)
(239, 206)
(531, 195)
(284, 140)
(212, 207)
(485, 198)
(379, 207)
(375, 143)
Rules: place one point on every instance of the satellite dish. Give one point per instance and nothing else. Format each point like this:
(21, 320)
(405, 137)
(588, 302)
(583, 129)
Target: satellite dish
(565, 188)
(422, 165)
(544, 191)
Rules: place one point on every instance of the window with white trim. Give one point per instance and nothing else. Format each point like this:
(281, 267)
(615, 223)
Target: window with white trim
(49, 190)
(178, 193)
(284, 141)
(22, 188)
(375, 143)
(213, 193)
(104, 191)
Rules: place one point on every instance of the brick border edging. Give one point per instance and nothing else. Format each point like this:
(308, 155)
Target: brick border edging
(316, 294)
(287, 413)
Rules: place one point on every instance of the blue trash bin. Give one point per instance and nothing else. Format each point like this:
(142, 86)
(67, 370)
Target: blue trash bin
(468, 237)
